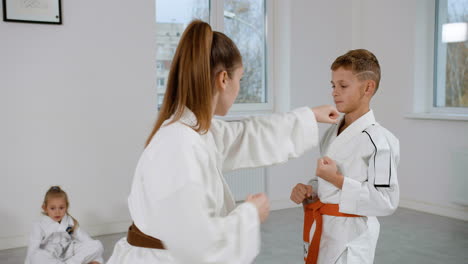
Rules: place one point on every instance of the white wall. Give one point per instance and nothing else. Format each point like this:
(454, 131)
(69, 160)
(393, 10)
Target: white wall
(77, 101)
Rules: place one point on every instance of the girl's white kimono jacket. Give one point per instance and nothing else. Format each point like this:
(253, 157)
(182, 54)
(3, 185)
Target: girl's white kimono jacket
(50, 243)
(179, 194)
(367, 155)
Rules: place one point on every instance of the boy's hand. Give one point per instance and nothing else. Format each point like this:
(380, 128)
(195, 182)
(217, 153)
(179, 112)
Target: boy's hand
(326, 114)
(327, 170)
(301, 192)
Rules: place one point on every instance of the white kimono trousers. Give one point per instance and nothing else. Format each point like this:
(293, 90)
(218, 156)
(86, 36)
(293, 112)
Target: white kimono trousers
(50, 243)
(179, 194)
(367, 155)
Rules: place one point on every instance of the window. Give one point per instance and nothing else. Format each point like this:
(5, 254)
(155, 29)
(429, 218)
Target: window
(244, 21)
(161, 82)
(160, 65)
(451, 57)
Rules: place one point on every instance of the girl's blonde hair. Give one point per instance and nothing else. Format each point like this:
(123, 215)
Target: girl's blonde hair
(200, 56)
(57, 192)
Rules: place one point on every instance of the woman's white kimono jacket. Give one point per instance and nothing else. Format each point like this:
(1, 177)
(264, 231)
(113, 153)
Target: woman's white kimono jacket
(179, 194)
(367, 155)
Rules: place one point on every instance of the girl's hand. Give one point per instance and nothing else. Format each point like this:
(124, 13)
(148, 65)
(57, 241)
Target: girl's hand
(326, 114)
(260, 200)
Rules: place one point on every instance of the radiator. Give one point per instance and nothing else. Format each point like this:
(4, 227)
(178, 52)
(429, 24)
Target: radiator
(245, 182)
(460, 177)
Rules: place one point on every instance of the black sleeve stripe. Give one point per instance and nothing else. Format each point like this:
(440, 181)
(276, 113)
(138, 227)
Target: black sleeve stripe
(390, 169)
(375, 155)
(375, 147)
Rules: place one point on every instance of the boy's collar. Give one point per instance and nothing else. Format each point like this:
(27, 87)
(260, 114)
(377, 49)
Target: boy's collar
(358, 125)
(364, 121)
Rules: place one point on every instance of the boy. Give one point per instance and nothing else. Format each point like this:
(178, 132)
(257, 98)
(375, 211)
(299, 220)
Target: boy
(356, 176)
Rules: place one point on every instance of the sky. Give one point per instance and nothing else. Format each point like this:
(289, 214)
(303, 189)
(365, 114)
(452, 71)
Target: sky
(177, 11)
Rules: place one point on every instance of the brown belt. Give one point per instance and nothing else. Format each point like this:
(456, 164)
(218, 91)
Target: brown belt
(138, 239)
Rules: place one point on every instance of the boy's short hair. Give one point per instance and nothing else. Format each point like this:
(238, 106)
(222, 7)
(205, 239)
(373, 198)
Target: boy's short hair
(362, 63)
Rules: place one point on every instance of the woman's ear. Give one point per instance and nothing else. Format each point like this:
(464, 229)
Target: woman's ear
(221, 81)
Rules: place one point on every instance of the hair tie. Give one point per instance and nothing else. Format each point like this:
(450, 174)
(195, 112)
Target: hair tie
(69, 230)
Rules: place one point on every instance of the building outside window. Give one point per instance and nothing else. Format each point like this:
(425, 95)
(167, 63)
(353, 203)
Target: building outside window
(161, 82)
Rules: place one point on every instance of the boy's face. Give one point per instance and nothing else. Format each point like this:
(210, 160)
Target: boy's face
(348, 91)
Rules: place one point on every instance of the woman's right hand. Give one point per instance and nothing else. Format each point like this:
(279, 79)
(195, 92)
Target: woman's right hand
(326, 114)
(260, 200)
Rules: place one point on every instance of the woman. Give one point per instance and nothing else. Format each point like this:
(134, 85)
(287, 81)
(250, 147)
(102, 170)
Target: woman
(182, 208)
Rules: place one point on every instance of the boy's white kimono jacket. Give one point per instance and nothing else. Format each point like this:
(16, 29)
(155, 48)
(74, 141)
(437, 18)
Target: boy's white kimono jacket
(50, 243)
(367, 155)
(179, 194)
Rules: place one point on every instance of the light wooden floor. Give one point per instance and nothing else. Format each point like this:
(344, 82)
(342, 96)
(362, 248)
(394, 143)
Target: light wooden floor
(407, 237)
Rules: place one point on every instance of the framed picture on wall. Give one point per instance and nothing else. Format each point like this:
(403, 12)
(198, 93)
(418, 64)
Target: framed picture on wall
(33, 11)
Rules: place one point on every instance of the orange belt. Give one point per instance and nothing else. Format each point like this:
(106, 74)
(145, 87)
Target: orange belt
(313, 212)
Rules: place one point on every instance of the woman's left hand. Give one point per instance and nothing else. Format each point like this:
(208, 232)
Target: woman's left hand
(261, 201)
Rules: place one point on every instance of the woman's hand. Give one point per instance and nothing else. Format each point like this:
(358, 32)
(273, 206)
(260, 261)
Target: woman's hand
(260, 200)
(326, 114)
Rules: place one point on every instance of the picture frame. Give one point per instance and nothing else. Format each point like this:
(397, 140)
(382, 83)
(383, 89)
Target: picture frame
(33, 11)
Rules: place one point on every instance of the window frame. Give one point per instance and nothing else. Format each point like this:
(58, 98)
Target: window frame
(440, 64)
(425, 68)
(216, 17)
(217, 22)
